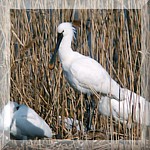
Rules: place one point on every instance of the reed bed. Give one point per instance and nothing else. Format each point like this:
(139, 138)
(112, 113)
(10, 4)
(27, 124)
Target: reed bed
(112, 37)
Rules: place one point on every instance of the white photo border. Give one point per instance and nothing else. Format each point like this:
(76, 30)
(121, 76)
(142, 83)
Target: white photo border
(6, 5)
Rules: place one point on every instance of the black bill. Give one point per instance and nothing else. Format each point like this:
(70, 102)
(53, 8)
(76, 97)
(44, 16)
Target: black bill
(53, 59)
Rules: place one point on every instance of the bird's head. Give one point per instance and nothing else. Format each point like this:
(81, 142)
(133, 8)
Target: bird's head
(65, 29)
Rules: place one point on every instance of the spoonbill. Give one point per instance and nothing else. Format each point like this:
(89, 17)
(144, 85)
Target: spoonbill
(136, 107)
(82, 72)
(23, 122)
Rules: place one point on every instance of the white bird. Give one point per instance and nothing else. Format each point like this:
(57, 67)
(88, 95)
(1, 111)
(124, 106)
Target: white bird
(82, 72)
(137, 108)
(24, 123)
(70, 123)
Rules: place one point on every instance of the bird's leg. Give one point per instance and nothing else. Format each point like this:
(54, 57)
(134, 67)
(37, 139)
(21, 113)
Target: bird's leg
(92, 105)
(87, 114)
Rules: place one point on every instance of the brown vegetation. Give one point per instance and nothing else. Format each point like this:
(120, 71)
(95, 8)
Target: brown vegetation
(115, 43)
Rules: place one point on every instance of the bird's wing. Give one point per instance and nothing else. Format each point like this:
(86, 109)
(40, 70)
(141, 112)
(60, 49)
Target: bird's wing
(89, 73)
(29, 126)
(120, 109)
(30, 123)
(85, 71)
(104, 106)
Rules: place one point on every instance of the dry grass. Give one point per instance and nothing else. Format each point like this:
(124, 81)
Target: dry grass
(115, 43)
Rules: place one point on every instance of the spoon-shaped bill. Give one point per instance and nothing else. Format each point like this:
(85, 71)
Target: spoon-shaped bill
(53, 59)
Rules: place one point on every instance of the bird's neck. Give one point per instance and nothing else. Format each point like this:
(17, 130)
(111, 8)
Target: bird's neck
(65, 50)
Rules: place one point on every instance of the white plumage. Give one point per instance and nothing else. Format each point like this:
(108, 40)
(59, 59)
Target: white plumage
(6, 115)
(82, 72)
(24, 123)
(138, 108)
(70, 123)
(87, 75)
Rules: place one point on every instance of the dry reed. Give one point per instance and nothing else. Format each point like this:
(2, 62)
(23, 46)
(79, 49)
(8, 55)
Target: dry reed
(112, 37)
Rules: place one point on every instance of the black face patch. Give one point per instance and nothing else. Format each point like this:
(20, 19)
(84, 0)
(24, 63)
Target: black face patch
(60, 35)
